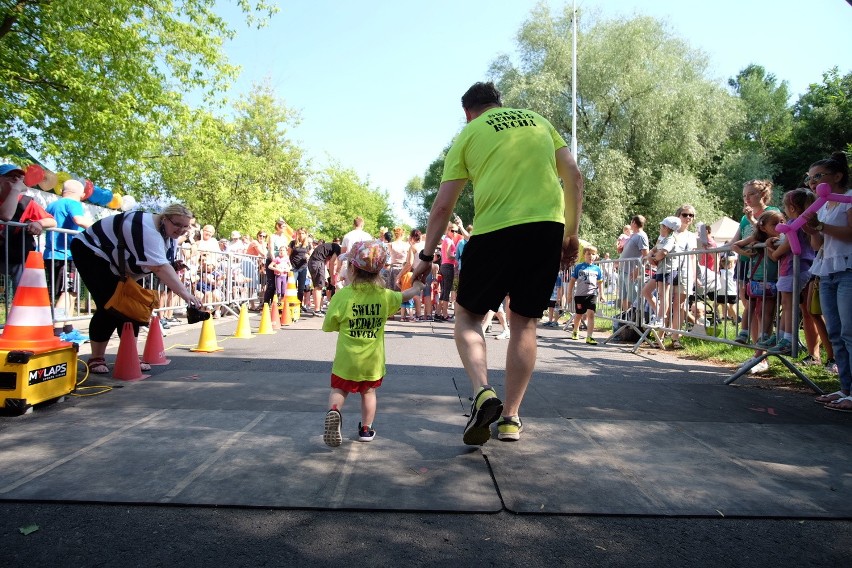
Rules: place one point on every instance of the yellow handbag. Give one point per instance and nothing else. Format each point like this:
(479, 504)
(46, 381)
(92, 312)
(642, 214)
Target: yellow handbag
(130, 301)
(815, 307)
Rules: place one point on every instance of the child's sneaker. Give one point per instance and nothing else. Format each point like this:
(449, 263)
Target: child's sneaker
(510, 428)
(759, 368)
(742, 337)
(486, 408)
(575, 335)
(591, 341)
(783, 347)
(366, 433)
(333, 422)
(505, 335)
(809, 361)
(831, 366)
(767, 341)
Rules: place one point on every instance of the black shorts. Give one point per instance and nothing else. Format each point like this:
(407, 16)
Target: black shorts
(317, 270)
(534, 249)
(582, 304)
(61, 278)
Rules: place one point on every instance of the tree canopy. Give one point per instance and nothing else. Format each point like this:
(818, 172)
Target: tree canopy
(95, 85)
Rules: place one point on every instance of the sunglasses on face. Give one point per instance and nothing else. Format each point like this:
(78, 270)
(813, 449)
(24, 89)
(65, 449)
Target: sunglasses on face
(690, 215)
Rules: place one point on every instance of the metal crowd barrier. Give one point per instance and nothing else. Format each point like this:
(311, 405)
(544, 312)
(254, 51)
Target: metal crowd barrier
(221, 280)
(702, 311)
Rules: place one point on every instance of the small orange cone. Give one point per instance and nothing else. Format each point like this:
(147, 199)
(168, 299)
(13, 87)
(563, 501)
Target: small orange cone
(243, 329)
(286, 315)
(29, 325)
(207, 341)
(292, 297)
(127, 361)
(155, 352)
(274, 316)
(265, 323)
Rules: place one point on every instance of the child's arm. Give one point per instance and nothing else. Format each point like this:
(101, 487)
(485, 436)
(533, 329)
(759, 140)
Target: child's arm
(739, 247)
(600, 283)
(415, 290)
(776, 253)
(570, 294)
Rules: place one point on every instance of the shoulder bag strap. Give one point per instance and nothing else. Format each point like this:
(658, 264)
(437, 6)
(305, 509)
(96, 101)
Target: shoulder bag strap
(122, 247)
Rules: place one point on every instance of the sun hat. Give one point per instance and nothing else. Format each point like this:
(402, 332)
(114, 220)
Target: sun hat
(672, 223)
(369, 256)
(236, 235)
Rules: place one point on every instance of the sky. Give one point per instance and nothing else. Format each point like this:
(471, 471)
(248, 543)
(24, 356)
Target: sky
(378, 84)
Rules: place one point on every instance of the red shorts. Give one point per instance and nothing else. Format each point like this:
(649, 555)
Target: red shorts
(353, 386)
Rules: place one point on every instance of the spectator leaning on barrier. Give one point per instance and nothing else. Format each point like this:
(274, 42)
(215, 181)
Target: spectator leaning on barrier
(630, 271)
(18, 242)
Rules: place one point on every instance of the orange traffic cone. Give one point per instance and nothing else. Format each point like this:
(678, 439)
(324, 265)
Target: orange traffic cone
(274, 316)
(243, 329)
(29, 325)
(265, 322)
(127, 361)
(207, 341)
(155, 352)
(286, 315)
(292, 297)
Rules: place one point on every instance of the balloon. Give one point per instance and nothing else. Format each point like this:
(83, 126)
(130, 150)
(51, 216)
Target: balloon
(115, 202)
(88, 188)
(49, 181)
(128, 202)
(101, 196)
(61, 177)
(33, 174)
(824, 195)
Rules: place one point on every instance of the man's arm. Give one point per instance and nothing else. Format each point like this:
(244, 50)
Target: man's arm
(572, 187)
(9, 196)
(439, 217)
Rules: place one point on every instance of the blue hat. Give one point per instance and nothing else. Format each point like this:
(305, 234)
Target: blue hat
(6, 169)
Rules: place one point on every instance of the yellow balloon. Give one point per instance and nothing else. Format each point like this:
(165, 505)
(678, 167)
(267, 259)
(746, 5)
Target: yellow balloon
(116, 201)
(61, 177)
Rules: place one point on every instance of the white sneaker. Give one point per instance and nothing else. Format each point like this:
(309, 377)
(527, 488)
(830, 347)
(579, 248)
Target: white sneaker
(504, 335)
(759, 368)
(655, 322)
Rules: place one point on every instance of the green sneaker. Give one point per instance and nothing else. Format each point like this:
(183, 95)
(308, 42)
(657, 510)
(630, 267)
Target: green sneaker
(576, 335)
(742, 337)
(486, 408)
(591, 341)
(510, 428)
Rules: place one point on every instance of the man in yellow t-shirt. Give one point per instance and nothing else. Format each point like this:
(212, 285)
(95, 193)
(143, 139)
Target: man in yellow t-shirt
(515, 159)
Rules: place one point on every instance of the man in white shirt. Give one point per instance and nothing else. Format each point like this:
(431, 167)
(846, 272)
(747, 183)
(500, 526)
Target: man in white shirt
(356, 235)
(208, 243)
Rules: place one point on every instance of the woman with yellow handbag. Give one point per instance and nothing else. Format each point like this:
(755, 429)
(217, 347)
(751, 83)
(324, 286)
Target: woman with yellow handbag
(113, 254)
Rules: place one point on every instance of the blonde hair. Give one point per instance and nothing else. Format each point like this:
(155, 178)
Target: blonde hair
(397, 232)
(177, 209)
(762, 186)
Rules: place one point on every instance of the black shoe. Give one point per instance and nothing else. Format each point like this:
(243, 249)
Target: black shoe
(486, 408)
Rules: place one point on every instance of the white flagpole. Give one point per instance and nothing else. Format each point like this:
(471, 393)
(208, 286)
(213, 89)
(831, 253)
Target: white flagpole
(574, 82)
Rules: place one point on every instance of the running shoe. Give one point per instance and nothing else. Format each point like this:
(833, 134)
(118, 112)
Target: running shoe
(333, 422)
(510, 429)
(831, 366)
(783, 347)
(809, 361)
(760, 367)
(591, 341)
(767, 341)
(575, 335)
(366, 433)
(742, 337)
(486, 408)
(504, 335)
(74, 336)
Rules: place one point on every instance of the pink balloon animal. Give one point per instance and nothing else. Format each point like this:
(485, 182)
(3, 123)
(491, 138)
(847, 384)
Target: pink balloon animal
(824, 195)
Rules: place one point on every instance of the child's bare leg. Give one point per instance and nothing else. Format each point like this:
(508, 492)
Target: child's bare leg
(662, 300)
(590, 323)
(336, 398)
(368, 407)
(648, 294)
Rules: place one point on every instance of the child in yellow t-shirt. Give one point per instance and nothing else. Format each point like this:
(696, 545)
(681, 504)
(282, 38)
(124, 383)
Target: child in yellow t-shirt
(358, 313)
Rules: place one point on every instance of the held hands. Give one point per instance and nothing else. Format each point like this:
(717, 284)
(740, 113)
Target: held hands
(421, 269)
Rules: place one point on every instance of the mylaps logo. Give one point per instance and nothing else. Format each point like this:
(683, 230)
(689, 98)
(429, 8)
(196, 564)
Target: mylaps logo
(48, 373)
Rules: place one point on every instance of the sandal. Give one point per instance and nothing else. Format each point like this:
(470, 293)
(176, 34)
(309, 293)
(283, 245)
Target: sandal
(97, 366)
(841, 404)
(676, 344)
(827, 398)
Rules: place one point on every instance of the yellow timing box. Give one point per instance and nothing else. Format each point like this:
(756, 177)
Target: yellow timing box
(28, 378)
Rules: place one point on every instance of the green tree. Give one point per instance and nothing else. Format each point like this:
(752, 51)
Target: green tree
(94, 85)
(646, 112)
(768, 121)
(342, 196)
(822, 124)
(240, 174)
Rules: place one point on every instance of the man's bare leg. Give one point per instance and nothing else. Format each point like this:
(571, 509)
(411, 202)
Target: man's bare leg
(520, 361)
(470, 342)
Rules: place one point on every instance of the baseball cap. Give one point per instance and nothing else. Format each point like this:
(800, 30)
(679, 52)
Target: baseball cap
(7, 169)
(672, 223)
(235, 235)
(369, 256)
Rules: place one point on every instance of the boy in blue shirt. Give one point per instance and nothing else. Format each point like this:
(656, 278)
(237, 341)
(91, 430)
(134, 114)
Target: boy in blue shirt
(585, 286)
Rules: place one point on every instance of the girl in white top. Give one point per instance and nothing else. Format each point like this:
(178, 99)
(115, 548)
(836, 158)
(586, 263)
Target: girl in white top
(832, 230)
